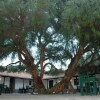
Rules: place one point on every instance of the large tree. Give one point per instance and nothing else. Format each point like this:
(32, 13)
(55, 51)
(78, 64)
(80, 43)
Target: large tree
(27, 23)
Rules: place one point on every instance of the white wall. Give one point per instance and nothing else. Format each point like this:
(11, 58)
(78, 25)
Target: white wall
(72, 82)
(18, 83)
(46, 81)
(56, 81)
(1, 80)
(26, 83)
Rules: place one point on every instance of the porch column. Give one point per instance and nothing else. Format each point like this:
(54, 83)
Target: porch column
(47, 83)
(23, 83)
(4, 81)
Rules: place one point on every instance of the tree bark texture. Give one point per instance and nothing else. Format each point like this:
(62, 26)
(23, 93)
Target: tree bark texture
(38, 86)
(42, 60)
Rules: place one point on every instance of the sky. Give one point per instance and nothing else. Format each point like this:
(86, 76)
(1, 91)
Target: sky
(8, 60)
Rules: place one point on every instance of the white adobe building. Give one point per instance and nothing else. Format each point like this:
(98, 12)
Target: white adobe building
(17, 81)
(50, 81)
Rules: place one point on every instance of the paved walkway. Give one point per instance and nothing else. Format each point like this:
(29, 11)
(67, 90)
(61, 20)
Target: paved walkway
(47, 97)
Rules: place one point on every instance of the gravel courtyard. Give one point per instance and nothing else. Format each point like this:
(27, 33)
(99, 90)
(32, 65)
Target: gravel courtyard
(47, 97)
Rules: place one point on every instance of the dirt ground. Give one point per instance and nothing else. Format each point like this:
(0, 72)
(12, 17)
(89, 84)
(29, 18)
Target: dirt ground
(47, 97)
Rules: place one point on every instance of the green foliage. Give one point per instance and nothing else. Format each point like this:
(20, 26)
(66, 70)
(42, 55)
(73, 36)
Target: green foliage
(30, 21)
(18, 68)
(2, 69)
(54, 71)
(18, 14)
(81, 18)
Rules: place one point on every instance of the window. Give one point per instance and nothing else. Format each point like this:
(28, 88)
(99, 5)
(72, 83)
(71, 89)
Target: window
(50, 84)
(30, 83)
(76, 81)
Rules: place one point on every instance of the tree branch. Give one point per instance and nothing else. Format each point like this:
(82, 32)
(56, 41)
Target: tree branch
(48, 64)
(12, 64)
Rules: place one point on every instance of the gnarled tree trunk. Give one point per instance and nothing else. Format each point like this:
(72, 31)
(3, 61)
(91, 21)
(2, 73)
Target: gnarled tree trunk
(38, 86)
(69, 73)
(42, 60)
